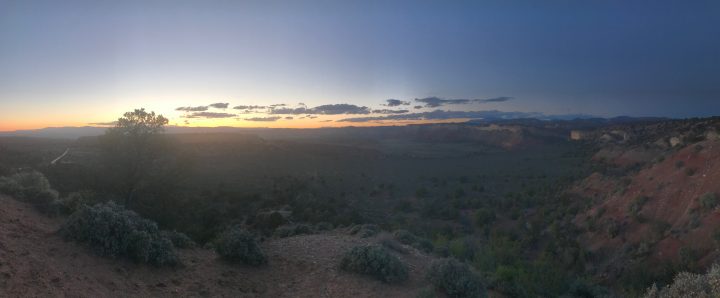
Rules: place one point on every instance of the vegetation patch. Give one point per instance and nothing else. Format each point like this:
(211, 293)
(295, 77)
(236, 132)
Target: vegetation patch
(709, 201)
(178, 239)
(407, 238)
(688, 284)
(31, 187)
(74, 201)
(636, 205)
(376, 261)
(239, 245)
(455, 279)
(114, 231)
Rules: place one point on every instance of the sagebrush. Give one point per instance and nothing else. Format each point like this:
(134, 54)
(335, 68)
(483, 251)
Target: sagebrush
(239, 245)
(455, 279)
(376, 261)
(113, 231)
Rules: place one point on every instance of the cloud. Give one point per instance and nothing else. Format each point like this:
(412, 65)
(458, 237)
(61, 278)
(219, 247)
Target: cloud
(220, 105)
(193, 109)
(263, 119)
(331, 109)
(288, 118)
(443, 115)
(434, 101)
(242, 107)
(396, 102)
(278, 105)
(326, 120)
(338, 109)
(289, 111)
(418, 107)
(209, 115)
(495, 99)
(387, 111)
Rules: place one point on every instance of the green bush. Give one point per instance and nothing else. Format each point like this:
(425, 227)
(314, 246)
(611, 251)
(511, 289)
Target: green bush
(238, 245)
(75, 200)
(178, 239)
(376, 261)
(114, 231)
(455, 279)
(690, 285)
(709, 201)
(9, 186)
(31, 187)
(411, 239)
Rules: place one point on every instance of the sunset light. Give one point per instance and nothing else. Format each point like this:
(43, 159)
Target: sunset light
(371, 148)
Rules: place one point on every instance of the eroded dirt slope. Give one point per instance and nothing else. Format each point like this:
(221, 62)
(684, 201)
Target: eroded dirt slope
(669, 213)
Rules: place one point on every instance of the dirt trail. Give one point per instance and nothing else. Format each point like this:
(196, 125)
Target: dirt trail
(36, 262)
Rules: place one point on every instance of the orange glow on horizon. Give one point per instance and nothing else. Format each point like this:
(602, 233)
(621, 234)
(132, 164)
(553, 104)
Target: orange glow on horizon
(294, 124)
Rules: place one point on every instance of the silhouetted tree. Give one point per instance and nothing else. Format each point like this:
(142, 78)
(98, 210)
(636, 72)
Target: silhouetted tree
(132, 149)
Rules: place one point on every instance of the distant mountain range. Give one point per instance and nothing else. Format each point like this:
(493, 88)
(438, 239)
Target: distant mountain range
(581, 122)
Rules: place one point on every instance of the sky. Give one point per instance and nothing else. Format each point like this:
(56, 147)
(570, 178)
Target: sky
(337, 63)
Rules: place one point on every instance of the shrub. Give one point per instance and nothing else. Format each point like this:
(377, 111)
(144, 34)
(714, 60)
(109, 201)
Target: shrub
(238, 245)
(269, 220)
(31, 187)
(376, 261)
(178, 239)
(690, 285)
(75, 200)
(690, 171)
(455, 279)
(613, 228)
(9, 186)
(709, 201)
(419, 243)
(636, 205)
(113, 231)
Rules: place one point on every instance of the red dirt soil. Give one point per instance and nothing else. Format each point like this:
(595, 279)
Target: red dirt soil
(673, 194)
(36, 262)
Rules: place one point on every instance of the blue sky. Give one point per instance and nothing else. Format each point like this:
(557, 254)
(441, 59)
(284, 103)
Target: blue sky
(74, 62)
